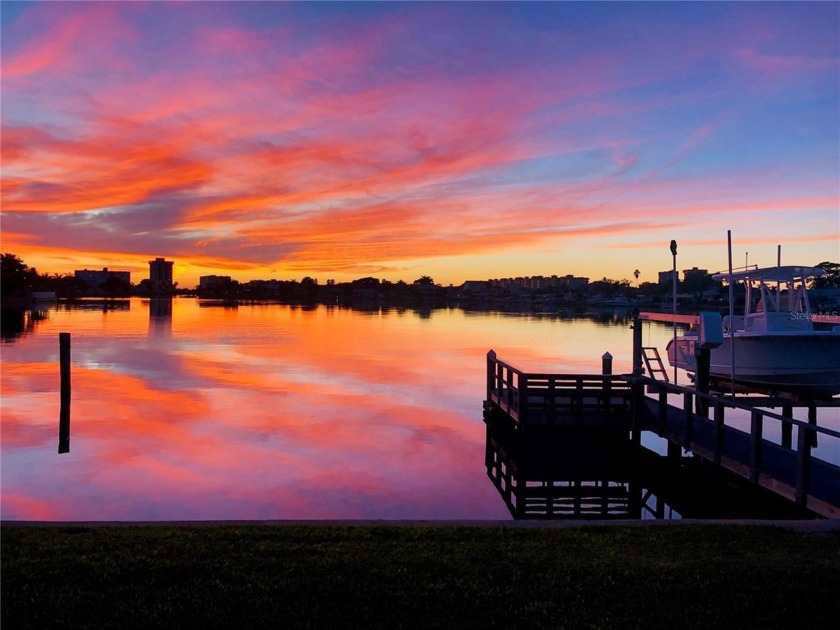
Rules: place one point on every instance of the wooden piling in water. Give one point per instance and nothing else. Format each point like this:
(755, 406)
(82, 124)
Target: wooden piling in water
(64, 412)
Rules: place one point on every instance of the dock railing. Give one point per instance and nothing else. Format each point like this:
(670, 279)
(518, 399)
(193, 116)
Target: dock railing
(709, 409)
(527, 397)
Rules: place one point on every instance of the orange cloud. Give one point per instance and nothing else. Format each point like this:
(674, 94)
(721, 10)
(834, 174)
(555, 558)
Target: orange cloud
(281, 146)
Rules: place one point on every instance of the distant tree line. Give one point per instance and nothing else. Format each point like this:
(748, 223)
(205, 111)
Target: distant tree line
(308, 289)
(19, 281)
(831, 279)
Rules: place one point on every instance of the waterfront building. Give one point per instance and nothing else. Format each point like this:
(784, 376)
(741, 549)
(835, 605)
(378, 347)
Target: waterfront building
(160, 276)
(95, 279)
(575, 283)
(695, 274)
(667, 277)
(213, 281)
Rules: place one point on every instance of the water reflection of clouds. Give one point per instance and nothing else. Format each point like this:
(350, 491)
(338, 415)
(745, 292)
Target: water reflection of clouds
(175, 455)
(261, 413)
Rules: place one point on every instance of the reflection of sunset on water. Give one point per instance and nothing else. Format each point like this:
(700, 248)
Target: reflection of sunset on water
(265, 411)
(272, 411)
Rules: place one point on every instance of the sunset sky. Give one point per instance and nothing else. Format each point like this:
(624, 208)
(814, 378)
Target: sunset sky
(456, 140)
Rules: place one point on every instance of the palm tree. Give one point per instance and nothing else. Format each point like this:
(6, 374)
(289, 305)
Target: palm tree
(636, 275)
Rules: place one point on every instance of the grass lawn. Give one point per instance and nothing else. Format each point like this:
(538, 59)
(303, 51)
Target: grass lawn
(431, 576)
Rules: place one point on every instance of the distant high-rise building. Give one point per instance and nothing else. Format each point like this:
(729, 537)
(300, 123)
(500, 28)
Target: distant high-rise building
(160, 276)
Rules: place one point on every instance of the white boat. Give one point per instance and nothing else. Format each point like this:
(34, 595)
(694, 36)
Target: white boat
(776, 347)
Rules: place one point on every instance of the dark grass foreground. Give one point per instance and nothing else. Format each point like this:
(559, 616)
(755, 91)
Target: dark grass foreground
(444, 576)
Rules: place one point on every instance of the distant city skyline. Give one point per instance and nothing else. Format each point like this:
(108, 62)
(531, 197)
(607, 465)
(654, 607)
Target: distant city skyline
(160, 272)
(461, 141)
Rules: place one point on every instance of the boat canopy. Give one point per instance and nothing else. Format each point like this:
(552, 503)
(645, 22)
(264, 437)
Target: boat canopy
(773, 274)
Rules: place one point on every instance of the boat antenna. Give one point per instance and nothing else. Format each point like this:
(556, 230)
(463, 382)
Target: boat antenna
(731, 316)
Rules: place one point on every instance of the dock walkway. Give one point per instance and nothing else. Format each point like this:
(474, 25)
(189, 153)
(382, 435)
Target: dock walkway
(631, 404)
(791, 472)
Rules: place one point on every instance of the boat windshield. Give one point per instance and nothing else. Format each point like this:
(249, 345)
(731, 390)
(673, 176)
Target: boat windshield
(775, 299)
(780, 305)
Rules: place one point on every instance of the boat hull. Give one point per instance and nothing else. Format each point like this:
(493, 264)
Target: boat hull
(806, 364)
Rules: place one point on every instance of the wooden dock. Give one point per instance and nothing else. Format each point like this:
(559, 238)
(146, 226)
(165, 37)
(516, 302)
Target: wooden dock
(629, 404)
(534, 399)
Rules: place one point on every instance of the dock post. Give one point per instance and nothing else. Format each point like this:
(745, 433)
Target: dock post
(491, 373)
(636, 402)
(688, 435)
(719, 425)
(662, 410)
(606, 363)
(637, 344)
(787, 427)
(704, 360)
(674, 452)
(756, 435)
(606, 370)
(803, 464)
(64, 412)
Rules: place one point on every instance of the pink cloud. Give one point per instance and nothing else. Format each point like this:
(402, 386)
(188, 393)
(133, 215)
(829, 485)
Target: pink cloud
(57, 39)
(780, 65)
(47, 52)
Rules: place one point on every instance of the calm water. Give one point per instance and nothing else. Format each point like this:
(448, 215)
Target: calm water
(272, 412)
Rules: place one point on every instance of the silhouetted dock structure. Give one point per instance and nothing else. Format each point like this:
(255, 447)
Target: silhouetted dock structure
(563, 472)
(604, 409)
